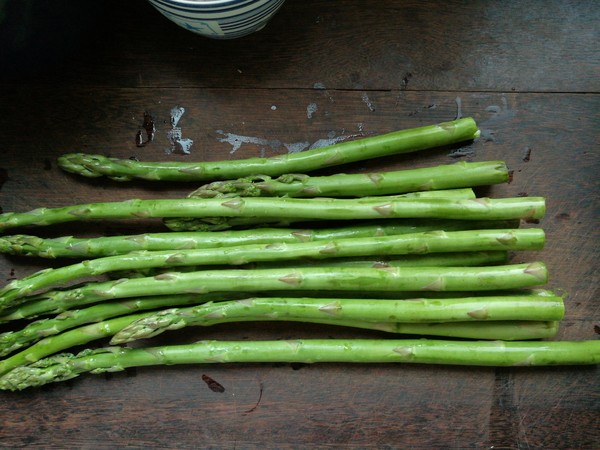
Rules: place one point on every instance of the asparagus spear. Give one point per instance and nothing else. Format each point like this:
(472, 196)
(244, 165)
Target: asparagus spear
(294, 208)
(423, 310)
(63, 307)
(39, 306)
(224, 223)
(449, 176)
(508, 317)
(13, 340)
(403, 141)
(424, 351)
(455, 259)
(428, 260)
(131, 209)
(302, 278)
(504, 330)
(509, 330)
(34, 331)
(71, 247)
(413, 243)
(68, 339)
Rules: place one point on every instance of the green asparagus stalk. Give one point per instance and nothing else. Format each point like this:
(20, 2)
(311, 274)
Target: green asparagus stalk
(508, 317)
(393, 279)
(124, 211)
(449, 176)
(71, 338)
(392, 295)
(414, 243)
(494, 330)
(369, 310)
(11, 341)
(39, 306)
(225, 223)
(509, 330)
(72, 247)
(403, 141)
(423, 351)
(456, 259)
(263, 186)
(528, 208)
(427, 260)
(455, 194)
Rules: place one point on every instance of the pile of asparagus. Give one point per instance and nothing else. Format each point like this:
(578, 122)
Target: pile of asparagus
(410, 252)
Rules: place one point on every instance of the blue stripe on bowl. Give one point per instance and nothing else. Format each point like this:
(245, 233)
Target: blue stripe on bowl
(239, 18)
(209, 16)
(205, 8)
(245, 20)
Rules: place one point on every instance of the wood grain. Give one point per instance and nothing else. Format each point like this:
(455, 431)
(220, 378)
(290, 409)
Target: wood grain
(536, 46)
(526, 71)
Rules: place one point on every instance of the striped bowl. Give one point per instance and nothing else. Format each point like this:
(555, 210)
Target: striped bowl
(219, 19)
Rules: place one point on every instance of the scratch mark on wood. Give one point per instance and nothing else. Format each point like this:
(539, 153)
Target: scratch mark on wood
(260, 394)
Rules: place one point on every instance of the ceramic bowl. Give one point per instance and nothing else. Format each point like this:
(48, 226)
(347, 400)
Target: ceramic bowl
(219, 19)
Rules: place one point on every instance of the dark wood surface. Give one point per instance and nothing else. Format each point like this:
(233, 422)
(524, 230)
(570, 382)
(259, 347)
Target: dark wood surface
(528, 72)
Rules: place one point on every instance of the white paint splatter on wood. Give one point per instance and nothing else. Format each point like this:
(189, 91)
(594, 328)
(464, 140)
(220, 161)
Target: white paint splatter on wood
(237, 140)
(330, 140)
(499, 115)
(179, 144)
(176, 114)
(458, 101)
(321, 87)
(296, 147)
(183, 146)
(367, 101)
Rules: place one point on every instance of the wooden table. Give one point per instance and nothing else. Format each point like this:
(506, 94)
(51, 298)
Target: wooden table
(528, 72)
